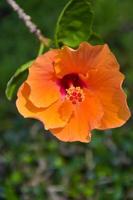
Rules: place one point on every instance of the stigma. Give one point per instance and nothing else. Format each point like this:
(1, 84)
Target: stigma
(75, 94)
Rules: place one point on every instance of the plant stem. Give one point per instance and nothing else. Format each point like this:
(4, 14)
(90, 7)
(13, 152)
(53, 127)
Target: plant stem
(28, 22)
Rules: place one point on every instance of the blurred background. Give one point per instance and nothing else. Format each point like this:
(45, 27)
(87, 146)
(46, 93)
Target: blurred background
(34, 165)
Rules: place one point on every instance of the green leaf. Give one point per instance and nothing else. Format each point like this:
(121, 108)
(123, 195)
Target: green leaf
(74, 24)
(16, 80)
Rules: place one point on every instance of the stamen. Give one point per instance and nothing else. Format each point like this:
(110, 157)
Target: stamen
(75, 94)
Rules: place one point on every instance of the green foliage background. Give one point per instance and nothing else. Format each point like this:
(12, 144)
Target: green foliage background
(35, 165)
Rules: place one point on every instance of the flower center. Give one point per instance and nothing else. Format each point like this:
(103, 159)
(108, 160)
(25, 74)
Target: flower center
(75, 94)
(71, 88)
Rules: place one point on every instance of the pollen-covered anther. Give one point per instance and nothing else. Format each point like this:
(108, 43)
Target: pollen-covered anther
(75, 94)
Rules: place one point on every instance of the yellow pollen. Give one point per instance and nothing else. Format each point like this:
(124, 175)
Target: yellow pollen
(75, 94)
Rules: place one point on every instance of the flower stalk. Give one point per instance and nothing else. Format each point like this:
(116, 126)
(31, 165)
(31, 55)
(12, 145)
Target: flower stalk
(28, 22)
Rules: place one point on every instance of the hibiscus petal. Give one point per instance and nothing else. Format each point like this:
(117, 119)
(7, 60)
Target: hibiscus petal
(107, 87)
(42, 80)
(70, 134)
(86, 57)
(86, 116)
(25, 107)
(57, 115)
(54, 116)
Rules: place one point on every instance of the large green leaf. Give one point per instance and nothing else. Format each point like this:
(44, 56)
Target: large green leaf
(74, 24)
(16, 80)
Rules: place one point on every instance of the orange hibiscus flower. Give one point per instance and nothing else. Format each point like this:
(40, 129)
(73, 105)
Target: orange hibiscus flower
(75, 91)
